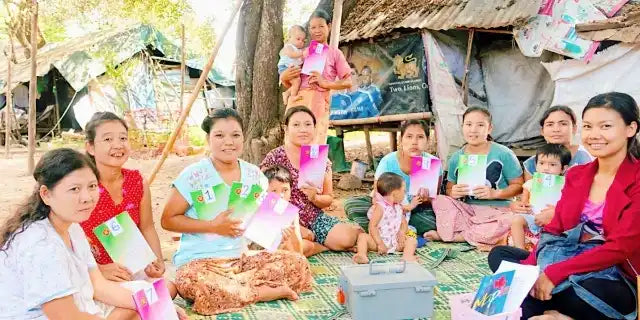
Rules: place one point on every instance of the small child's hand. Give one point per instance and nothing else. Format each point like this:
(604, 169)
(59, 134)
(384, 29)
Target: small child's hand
(307, 234)
(288, 234)
(545, 216)
(520, 207)
(415, 201)
(382, 249)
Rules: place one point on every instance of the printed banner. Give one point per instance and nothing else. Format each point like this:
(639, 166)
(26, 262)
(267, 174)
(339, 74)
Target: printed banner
(389, 77)
(553, 28)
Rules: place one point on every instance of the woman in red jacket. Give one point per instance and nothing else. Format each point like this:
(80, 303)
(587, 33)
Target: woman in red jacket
(603, 197)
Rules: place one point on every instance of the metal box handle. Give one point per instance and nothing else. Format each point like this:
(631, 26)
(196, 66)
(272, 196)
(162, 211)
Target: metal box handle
(390, 270)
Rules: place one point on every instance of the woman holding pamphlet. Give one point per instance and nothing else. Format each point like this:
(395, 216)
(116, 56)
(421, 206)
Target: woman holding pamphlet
(47, 269)
(483, 177)
(214, 269)
(414, 137)
(589, 254)
(122, 191)
(311, 185)
(325, 68)
(559, 126)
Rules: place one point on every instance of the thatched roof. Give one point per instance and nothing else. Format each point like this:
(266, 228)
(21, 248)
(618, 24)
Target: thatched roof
(371, 18)
(624, 27)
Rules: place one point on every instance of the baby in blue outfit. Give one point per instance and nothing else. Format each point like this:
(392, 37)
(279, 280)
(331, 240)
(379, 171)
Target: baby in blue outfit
(291, 55)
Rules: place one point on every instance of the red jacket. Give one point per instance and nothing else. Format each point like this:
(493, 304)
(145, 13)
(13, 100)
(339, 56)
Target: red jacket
(621, 221)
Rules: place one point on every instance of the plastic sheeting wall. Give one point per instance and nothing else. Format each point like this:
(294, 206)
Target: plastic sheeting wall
(615, 69)
(516, 89)
(519, 89)
(453, 45)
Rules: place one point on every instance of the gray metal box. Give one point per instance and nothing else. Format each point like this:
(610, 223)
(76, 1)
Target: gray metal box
(387, 291)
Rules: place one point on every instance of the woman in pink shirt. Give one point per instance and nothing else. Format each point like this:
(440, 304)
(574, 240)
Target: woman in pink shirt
(314, 88)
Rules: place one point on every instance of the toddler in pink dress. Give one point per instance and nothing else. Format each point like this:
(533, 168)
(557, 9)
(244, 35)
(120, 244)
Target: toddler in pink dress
(388, 224)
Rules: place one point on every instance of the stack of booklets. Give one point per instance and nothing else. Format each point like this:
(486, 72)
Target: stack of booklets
(124, 243)
(268, 222)
(472, 170)
(313, 165)
(499, 296)
(155, 303)
(316, 59)
(425, 174)
(546, 190)
(263, 215)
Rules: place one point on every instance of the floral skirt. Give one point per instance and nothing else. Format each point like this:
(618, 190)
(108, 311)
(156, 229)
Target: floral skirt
(225, 285)
(481, 226)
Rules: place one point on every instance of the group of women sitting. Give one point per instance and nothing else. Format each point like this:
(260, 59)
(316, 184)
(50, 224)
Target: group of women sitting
(52, 267)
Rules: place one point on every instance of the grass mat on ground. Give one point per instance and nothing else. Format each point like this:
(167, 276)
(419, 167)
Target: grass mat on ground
(457, 269)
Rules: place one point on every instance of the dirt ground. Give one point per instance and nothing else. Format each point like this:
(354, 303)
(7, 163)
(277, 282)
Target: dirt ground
(16, 184)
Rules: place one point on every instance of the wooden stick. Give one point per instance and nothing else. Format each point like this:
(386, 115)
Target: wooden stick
(57, 106)
(496, 31)
(467, 60)
(32, 86)
(381, 119)
(194, 94)
(367, 140)
(9, 107)
(336, 23)
(182, 69)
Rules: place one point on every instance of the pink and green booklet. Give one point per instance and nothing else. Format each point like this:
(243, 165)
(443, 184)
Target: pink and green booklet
(273, 215)
(155, 303)
(313, 165)
(472, 170)
(425, 173)
(209, 202)
(124, 242)
(316, 59)
(244, 200)
(546, 189)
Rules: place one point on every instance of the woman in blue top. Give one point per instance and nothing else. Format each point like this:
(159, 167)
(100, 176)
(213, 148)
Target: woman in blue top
(482, 219)
(558, 127)
(414, 137)
(214, 269)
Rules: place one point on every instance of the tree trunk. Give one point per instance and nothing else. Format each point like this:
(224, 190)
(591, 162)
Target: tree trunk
(257, 93)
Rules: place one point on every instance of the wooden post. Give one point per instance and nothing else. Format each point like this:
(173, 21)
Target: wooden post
(194, 94)
(9, 107)
(33, 85)
(393, 137)
(336, 23)
(367, 139)
(467, 60)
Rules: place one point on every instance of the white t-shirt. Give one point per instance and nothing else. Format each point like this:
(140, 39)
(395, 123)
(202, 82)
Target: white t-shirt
(38, 267)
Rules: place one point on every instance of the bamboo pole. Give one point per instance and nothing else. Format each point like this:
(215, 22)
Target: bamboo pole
(381, 119)
(182, 68)
(336, 23)
(194, 94)
(467, 60)
(183, 129)
(9, 107)
(32, 85)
